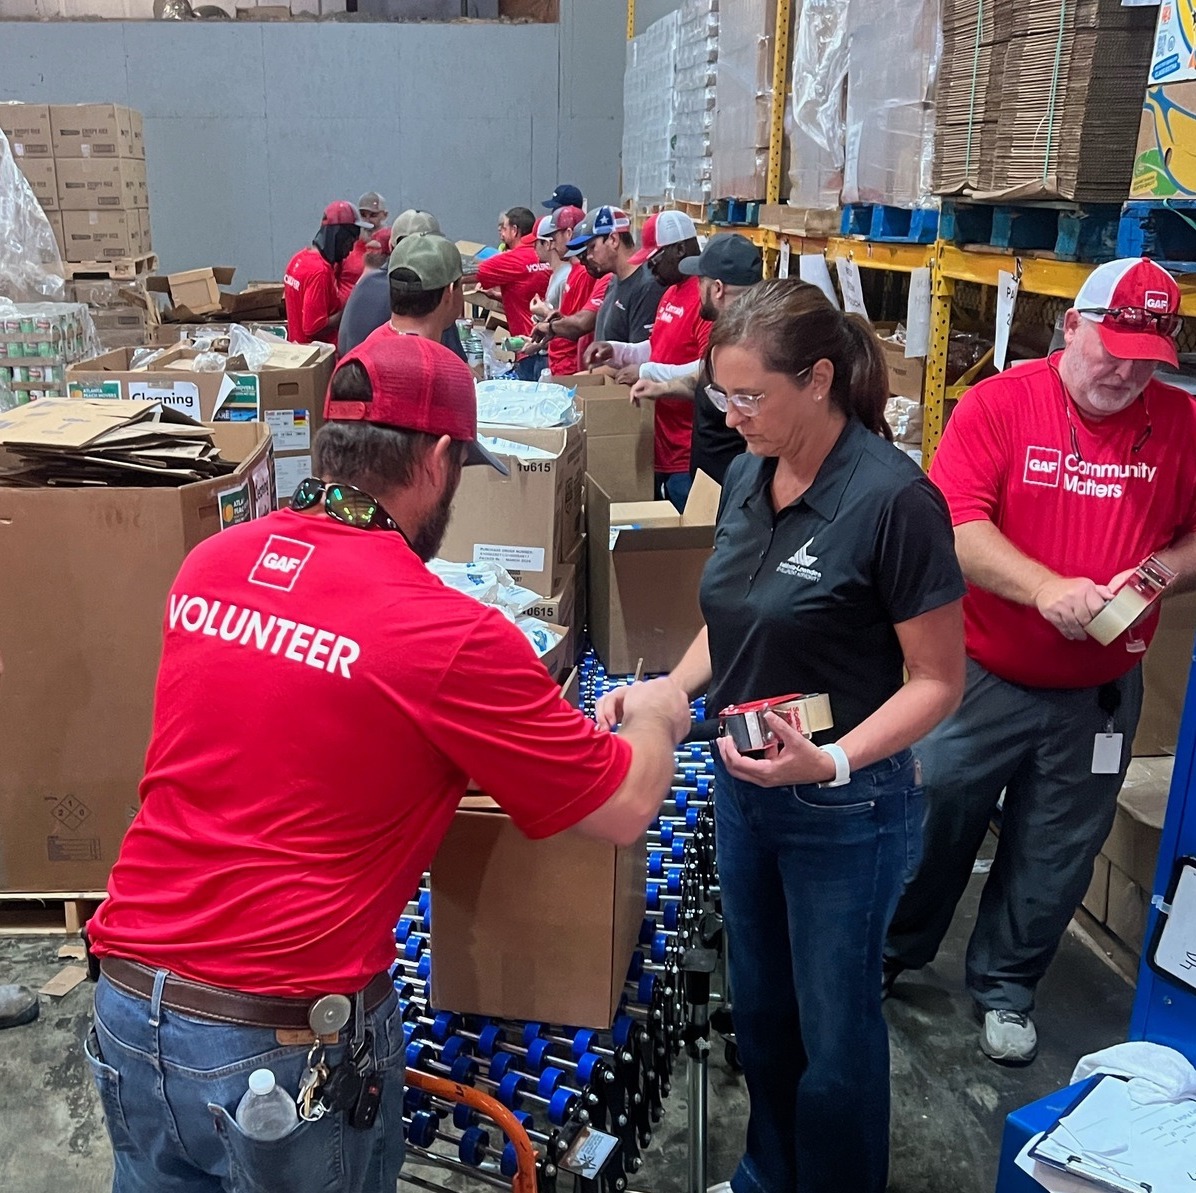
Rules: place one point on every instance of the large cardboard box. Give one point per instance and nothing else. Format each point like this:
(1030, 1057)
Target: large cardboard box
(289, 401)
(99, 184)
(529, 521)
(1133, 843)
(1096, 900)
(42, 178)
(906, 373)
(100, 235)
(1127, 909)
(55, 218)
(93, 130)
(1165, 677)
(1165, 156)
(540, 930)
(565, 603)
(27, 127)
(645, 563)
(80, 638)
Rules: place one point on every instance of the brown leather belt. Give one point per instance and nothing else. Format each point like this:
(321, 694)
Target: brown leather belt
(227, 1006)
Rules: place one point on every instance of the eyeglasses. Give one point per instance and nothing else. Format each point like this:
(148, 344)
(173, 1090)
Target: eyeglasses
(1135, 448)
(344, 503)
(747, 404)
(1139, 319)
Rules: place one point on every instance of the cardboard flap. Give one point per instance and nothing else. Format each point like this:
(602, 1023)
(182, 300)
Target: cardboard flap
(550, 439)
(663, 538)
(224, 274)
(701, 506)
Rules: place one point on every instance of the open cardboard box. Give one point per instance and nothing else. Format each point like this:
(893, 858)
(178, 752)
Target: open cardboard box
(194, 295)
(81, 638)
(539, 930)
(646, 562)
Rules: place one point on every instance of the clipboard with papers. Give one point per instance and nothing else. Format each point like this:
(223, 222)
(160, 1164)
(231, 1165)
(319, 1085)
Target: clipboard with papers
(1110, 1141)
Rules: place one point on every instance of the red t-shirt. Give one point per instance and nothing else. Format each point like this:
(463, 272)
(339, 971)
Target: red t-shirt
(309, 285)
(1007, 455)
(321, 702)
(562, 353)
(351, 269)
(520, 276)
(678, 337)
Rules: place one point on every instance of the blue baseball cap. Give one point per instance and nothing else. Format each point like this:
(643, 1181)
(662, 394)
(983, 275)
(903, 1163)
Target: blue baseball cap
(565, 195)
(601, 221)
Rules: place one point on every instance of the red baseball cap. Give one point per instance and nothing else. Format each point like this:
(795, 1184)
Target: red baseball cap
(1134, 303)
(342, 212)
(565, 219)
(417, 385)
(382, 239)
(647, 241)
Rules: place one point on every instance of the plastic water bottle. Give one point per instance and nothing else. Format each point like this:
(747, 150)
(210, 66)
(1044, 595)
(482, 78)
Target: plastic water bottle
(266, 1112)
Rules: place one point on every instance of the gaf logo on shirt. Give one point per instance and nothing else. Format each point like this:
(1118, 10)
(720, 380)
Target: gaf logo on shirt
(1156, 300)
(1043, 465)
(280, 563)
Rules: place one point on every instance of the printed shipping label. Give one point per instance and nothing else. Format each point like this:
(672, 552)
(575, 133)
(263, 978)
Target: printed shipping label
(514, 559)
(289, 473)
(291, 430)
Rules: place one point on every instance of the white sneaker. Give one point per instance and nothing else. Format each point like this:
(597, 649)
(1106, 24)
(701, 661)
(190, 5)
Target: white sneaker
(721, 1187)
(1009, 1038)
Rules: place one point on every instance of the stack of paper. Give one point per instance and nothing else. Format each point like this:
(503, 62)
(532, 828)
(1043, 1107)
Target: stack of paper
(61, 442)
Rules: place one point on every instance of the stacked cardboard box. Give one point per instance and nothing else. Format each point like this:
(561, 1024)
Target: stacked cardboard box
(694, 100)
(1165, 156)
(742, 120)
(38, 342)
(86, 165)
(1043, 103)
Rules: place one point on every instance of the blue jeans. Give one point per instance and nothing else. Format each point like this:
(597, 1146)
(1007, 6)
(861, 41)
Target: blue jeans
(674, 487)
(529, 368)
(170, 1083)
(810, 876)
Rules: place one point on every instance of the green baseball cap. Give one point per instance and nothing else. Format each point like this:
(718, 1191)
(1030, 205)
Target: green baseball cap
(434, 262)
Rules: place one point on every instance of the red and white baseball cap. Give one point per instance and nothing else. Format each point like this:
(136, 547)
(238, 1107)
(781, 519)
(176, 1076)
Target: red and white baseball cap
(565, 219)
(648, 243)
(543, 228)
(341, 211)
(672, 227)
(417, 385)
(1135, 305)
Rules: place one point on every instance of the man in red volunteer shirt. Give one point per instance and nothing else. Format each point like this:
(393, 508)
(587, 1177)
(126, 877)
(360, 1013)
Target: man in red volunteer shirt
(1062, 475)
(677, 342)
(314, 304)
(323, 700)
(372, 207)
(519, 276)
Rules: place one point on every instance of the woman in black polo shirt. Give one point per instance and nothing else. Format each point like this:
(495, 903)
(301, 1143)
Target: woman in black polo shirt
(833, 571)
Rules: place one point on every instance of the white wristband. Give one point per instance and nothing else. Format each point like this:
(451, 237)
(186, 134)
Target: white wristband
(842, 766)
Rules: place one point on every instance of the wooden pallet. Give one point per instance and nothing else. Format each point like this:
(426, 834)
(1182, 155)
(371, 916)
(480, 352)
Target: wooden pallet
(890, 225)
(125, 269)
(1162, 229)
(1064, 231)
(57, 913)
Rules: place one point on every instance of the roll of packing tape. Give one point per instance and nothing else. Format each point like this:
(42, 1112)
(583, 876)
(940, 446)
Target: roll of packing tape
(745, 725)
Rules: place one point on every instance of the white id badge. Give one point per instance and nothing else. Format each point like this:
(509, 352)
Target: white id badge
(1106, 754)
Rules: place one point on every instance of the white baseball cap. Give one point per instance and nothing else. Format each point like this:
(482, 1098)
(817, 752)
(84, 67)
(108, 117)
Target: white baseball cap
(672, 227)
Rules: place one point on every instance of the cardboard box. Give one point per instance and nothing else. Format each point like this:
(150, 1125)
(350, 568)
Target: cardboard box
(1127, 909)
(147, 237)
(1096, 900)
(906, 373)
(42, 178)
(100, 235)
(55, 218)
(528, 522)
(289, 401)
(192, 292)
(1165, 674)
(566, 604)
(539, 930)
(99, 184)
(645, 564)
(137, 129)
(1133, 844)
(27, 127)
(80, 639)
(1165, 155)
(195, 296)
(92, 130)
(1170, 60)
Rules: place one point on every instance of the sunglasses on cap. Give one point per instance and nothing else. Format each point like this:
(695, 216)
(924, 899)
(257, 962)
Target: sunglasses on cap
(346, 504)
(1138, 319)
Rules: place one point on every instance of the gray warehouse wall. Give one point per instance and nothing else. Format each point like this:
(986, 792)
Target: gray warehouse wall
(648, 11)
(251, 128)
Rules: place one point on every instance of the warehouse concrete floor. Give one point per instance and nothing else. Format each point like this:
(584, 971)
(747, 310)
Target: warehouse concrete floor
(949, 1101)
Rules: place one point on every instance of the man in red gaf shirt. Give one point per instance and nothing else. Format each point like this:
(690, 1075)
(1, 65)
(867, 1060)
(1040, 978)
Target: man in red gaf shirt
(674, 348)
(372, 208)
(519, 276)
(1062, 475)
(314, 304)
(322, 701)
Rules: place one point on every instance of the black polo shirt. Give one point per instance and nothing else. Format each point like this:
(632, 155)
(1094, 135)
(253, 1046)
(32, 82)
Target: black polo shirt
(805, 600)
(629, 308)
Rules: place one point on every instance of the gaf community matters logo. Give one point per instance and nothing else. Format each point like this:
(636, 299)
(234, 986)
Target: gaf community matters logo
(1043, 466)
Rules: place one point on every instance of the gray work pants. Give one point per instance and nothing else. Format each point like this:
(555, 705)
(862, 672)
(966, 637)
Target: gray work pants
(1036, 745)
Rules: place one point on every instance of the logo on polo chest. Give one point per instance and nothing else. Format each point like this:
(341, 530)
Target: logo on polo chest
(801, 563)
